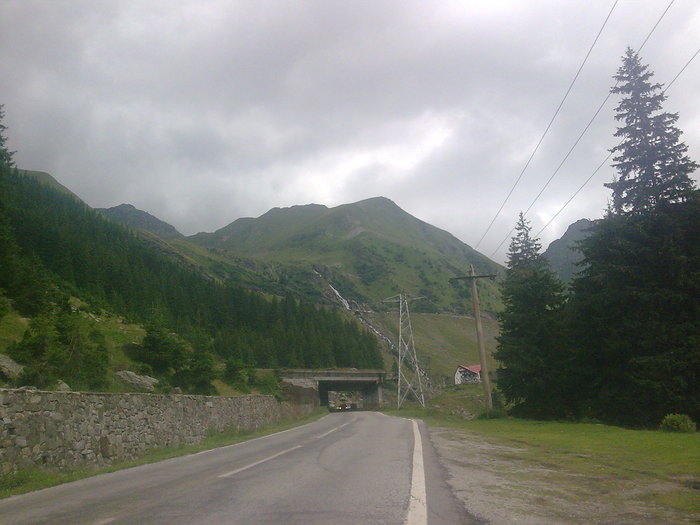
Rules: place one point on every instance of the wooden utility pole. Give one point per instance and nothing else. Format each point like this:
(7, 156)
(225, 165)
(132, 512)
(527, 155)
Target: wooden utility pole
(485, 380)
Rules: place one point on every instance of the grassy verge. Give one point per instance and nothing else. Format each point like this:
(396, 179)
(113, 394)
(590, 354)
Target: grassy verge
(664, 466)
(592, 448)
(35, 479)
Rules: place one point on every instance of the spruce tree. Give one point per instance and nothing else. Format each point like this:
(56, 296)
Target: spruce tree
(635, 307)
(528, 349)
(651, 160)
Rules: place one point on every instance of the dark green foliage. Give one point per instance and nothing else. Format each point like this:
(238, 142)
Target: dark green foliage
(23, 277)
(196, 374)
(529, 347)
(635, 309)
(59, 345)
(237, 372)
(636, 315)
(625, 347)
(4, 304)
(173, 362)
(161, 350)
(677, 423)
(244, 377)
(652, 164)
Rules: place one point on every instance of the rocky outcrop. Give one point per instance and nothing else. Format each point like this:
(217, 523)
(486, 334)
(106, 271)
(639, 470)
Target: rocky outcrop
(62, 386)
(9, 368)
(136, 381)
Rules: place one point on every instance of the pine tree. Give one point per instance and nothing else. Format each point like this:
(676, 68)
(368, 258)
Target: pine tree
(528, 345)
(651, 160)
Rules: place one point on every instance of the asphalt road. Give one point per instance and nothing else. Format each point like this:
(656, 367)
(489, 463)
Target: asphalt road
(346, 468)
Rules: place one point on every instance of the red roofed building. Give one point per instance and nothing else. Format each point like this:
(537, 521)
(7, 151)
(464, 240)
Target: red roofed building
(467, 374)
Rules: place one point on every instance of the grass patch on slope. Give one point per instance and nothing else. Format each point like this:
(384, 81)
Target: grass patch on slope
(36, 479)
(442, 341)
(12, 327)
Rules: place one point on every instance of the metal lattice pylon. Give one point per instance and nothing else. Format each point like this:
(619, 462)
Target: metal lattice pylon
(410, 374)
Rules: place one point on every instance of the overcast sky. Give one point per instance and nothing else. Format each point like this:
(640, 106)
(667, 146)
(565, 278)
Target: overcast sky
(204, 111)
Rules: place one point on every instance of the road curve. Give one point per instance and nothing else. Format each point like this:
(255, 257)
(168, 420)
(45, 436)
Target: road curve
(346, 468)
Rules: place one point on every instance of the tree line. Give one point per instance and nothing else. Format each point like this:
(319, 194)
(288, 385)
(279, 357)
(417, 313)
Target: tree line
(622, 344)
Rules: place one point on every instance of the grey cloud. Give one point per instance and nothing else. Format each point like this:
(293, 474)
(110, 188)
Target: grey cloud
(204, 111)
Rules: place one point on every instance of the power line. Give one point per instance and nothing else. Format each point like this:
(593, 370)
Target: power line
(600, 107)
(656, 24)
(568, 153)
(609, 154)
(575, 193)
(537, 147)
(681, 71)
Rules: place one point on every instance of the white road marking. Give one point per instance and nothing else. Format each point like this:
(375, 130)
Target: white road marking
(255, 439)
(105, 521)
(258, 462)
(418, 508)
(333, 430)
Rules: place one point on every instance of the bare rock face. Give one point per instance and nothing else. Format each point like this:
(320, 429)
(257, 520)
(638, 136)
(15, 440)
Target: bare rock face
(9, 367)
(62, 386)
(136, 381)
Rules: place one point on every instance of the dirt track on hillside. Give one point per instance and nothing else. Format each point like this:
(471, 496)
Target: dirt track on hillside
(498, 485)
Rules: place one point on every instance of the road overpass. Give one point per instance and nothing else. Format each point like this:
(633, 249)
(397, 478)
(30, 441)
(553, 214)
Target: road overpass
(367, 382)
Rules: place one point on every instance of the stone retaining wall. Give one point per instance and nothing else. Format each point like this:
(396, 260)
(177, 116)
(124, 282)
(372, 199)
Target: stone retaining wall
(70, 429)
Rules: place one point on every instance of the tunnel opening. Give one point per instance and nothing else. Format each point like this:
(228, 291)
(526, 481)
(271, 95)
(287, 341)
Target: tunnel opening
(349, 395)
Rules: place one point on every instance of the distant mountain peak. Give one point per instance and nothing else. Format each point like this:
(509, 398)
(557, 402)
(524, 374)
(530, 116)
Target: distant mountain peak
(370, 250)
(129, 215)
(562, 254)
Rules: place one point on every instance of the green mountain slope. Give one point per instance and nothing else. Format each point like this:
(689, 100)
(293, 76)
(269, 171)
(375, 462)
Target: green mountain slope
(132, 217)
(442, 341)
(368, 251)
(48, 180)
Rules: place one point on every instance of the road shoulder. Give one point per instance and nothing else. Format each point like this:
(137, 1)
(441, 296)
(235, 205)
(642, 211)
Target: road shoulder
(496, 483)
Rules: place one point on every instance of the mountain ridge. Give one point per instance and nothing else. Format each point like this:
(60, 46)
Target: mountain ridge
(130, 216)
(369, 250)
(562, 253)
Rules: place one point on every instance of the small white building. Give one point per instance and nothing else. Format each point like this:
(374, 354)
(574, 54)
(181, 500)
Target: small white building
(467, 374)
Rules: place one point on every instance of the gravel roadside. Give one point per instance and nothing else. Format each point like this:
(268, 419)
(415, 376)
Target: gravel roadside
(498, 485)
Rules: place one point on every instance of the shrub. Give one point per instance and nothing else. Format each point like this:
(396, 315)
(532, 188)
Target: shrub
(496, 413)
(4, 304)
(677, 423)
